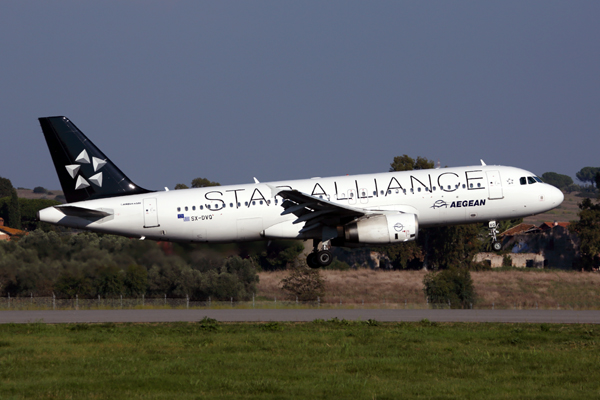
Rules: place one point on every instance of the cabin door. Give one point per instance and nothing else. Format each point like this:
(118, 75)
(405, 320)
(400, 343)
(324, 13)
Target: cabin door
(150, 213)
(494, 185)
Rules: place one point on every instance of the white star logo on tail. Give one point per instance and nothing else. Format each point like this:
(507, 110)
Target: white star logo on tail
(84, 158)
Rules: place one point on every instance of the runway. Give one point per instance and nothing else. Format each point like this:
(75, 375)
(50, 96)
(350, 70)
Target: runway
(303, 315)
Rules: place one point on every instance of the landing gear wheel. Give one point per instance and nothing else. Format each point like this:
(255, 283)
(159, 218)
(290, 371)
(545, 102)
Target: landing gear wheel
(311, 260)
(324, 258)
(497, 246)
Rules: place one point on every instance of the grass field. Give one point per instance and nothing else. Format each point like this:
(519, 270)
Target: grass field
(318, 360)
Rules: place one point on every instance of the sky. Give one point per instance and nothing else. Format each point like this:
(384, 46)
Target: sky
(231, 90)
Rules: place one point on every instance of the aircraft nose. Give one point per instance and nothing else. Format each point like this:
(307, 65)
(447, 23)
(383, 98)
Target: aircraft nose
(555, 196)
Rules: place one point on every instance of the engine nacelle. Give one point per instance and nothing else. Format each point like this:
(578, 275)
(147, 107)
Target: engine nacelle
(382, 229)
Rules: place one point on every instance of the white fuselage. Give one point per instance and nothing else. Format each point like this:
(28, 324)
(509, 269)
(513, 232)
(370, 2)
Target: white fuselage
(249, 212)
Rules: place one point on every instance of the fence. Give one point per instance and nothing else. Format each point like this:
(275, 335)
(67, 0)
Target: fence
(116, 303)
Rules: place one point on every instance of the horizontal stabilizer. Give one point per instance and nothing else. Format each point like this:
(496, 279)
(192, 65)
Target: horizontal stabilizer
(81, 212)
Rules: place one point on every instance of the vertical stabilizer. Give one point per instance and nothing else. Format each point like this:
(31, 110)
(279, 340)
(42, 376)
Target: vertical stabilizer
(83, 170)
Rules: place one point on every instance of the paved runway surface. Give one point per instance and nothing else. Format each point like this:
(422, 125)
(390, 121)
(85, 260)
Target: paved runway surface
(249, 315)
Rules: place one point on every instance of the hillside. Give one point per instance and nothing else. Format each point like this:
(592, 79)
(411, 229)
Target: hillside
(51, 194)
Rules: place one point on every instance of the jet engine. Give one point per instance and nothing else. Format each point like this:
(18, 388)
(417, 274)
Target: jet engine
(382, 229)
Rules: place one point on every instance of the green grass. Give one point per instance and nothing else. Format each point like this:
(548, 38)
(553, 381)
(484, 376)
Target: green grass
(319, 360)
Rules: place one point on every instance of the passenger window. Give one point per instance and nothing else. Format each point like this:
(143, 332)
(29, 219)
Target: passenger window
(530, 180)
(239, 204)
(419, 189)
(276, 201)
(434, 188)
(470, 185)
(230, 205)
(253, 203)
(412, 190)
(389, 191)
(261, 202)
(464, 186)
(523, 181)
(381, 191)
(246, 203)
(178, 209)
(404, 190)
(193, 208)
(201, 207)
(374, 193)
(479, 185)
(186, 208)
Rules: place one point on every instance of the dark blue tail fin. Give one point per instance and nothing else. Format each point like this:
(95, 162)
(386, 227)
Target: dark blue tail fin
(83, 170)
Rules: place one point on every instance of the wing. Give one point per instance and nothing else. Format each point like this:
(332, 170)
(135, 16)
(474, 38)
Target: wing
(314, 211)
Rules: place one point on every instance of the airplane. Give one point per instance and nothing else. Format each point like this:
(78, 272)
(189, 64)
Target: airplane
(348, 211)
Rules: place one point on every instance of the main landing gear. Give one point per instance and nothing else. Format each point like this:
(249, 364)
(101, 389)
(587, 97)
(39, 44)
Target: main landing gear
(493, 231)
(320, 258)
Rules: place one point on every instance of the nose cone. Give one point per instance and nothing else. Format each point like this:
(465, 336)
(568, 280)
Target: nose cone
(555, 196)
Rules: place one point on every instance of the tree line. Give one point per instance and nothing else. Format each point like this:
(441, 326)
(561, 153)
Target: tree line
(89, 264)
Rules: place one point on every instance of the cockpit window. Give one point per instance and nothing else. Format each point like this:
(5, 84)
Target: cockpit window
(538, 179)
(531, 180)
(523, 180)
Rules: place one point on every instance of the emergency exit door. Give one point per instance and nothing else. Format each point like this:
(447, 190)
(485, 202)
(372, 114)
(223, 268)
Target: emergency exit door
(150, 213)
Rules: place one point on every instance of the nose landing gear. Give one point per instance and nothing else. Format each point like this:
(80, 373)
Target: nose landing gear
(493, 231)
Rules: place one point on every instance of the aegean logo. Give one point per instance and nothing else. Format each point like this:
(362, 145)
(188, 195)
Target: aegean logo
(456, 204)
(439, 204)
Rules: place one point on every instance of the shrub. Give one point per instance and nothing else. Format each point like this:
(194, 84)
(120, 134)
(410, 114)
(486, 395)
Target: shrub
(452, 285)
(304, 282)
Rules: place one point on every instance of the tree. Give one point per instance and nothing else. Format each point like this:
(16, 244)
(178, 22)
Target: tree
(558, 180)
(407, 255)
(40, 190)
(453, 285)
(588, 229)
(181, 186)
(136, 280)
(14, 212)
(203, 182)
(587, 175)
(406, 163)
(598, 179)
(6, 187)
(445, 246)
(304, 282)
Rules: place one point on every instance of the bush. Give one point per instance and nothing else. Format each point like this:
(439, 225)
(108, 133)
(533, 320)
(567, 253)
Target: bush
(39, 190)
(89, 265)
(304, 282)
(453, 285)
